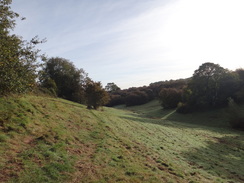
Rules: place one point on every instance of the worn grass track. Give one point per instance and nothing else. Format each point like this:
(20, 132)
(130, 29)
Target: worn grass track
(54, 140)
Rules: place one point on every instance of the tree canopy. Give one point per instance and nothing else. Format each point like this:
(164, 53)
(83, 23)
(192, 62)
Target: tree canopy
(170, 97)
(96, 96)
(111, 87)
(18, 58)
(205, 84)
(68, 79)
(210, 87)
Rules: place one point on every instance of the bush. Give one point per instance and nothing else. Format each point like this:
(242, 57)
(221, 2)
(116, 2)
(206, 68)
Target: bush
(50, 86)
(115, 100)
(136, 98)
(170, 97)
(95, 95)
(235, 115)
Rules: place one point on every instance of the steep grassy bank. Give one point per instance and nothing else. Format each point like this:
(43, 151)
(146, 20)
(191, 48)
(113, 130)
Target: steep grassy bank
(53, 140)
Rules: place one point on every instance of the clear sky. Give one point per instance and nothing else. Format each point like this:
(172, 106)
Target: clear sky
(137, 42)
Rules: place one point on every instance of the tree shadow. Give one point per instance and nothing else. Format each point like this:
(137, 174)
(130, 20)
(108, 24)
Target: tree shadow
(222, 157)
(168, 122)
(204, 119)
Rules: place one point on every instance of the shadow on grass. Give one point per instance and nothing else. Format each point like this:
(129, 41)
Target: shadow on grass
(212, 118)
(209, 121)
(222, 157)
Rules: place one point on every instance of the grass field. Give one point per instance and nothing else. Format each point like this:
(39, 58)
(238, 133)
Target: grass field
(54, 140)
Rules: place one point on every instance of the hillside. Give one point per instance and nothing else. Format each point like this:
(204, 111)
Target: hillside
(54, 140)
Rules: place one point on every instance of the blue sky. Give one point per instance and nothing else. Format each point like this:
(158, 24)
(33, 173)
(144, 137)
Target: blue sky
(137, 42)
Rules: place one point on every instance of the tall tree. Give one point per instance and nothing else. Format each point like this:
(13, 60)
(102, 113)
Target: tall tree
(211, 85)
(170, 97)
(69, 80)
(18, 58)
(111, 87)
(239, 95)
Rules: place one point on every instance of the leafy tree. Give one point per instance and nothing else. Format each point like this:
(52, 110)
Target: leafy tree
(111, 87)
(177, 84)
(170, 97)
(136, 97)
(69, 80)
(95, 95)
(239, 95)
(235, 115)
(229, 84)
(115, 99)
(7, 16)
(50, 86)
(18, 58)
(240, 72)
(205, 85)
(210, 86)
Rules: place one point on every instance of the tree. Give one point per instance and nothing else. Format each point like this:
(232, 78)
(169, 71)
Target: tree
(69, 80)
(205, 85)
(235, 115)
(50, 86)
(18, 58)
(136, 97)
(115, 99)
(111, 87)
(95, 95)
(7, 16)
(229, 84)
(239, 95)
(170, 97)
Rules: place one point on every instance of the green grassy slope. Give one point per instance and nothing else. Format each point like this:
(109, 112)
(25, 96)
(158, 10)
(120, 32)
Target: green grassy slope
(53, 140)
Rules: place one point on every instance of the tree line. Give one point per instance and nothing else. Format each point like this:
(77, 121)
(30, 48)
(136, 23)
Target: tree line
(141, 95)
(210, 87)
(22, 71)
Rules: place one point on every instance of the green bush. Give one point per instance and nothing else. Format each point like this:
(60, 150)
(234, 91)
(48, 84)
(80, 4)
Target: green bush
(235, 115)
(136, 97)
(95, 95)
(170, 97)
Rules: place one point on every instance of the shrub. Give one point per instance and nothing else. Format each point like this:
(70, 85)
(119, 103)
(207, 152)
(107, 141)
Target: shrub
(50, 85)
(235, 115)
(170, 97)
(95, 95)
(115, 100)
(136, 98)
